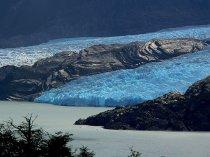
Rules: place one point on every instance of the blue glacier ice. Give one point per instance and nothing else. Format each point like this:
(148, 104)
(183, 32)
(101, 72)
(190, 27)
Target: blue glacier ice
(128, 87)
(29, 55)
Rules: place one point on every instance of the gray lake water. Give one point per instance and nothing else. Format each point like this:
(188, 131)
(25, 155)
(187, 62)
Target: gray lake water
(109, 143)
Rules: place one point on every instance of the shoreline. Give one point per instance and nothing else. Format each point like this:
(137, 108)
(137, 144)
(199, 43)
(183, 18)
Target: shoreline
(109, 143)
(91, 107)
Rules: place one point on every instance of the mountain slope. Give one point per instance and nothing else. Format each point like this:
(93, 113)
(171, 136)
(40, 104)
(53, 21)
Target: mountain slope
(25, 22)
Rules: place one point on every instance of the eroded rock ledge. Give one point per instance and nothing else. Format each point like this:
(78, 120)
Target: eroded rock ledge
(173, 111)
(27, 82)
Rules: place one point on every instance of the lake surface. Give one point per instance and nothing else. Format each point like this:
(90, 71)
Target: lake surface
(109, 143)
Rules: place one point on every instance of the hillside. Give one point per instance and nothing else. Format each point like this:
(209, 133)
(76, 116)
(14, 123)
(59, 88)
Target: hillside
(27, 22)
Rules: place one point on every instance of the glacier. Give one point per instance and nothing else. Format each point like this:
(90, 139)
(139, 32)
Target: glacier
(132, 86)
(29, 55)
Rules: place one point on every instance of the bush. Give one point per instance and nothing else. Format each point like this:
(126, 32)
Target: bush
(85, 152)
(26, 140)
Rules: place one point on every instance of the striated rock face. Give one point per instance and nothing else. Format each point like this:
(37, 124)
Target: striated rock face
(101, 58)
(174, 111)
(27, 82)
(20, 83)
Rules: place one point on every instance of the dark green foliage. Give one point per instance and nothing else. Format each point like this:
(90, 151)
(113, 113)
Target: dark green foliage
(57, 145)
(9, 146)
(85, 152)
(26, 140)
(30, 140)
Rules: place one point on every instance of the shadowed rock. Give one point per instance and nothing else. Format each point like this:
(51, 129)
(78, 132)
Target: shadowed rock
(27, 82)
(173, 111)
(28, 22)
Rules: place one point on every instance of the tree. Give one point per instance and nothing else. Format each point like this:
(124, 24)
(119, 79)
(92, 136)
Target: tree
(30, 139)
(26, 140)
(57, 145)
(9, 146)
(85, 152)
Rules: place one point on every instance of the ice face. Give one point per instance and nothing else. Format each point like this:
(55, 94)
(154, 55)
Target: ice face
(128, 87)
(29, 55)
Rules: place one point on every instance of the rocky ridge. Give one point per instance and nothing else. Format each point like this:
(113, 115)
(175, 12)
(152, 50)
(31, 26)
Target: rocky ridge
(27, 82)
(173, 111)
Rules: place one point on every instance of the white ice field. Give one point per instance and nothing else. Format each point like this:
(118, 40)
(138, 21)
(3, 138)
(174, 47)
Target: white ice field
(29, 55)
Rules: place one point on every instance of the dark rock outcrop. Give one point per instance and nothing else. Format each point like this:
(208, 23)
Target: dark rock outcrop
(173, 111)
(26, 22)
(27, 82)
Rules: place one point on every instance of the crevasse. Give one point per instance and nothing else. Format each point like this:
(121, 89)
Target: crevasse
(128, 87)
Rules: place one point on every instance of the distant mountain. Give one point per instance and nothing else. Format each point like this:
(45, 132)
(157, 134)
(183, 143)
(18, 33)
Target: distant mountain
(26, 22)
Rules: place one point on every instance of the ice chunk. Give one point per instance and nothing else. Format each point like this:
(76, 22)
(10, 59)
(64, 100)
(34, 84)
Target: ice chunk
(128, 87)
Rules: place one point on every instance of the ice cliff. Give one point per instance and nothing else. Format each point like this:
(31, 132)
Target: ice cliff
(127, 87)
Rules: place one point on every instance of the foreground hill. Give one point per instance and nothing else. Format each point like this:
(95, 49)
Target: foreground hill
(173, 111)
(27, 82)
(26, 22)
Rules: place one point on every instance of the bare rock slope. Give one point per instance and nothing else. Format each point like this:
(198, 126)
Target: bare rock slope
(27, 82)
